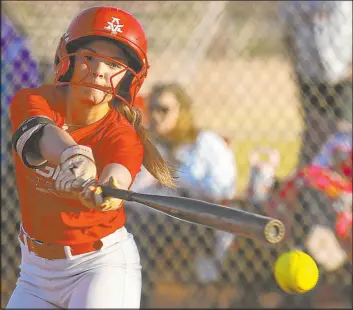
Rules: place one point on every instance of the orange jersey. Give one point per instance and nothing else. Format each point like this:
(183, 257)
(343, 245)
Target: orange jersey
(46, 215)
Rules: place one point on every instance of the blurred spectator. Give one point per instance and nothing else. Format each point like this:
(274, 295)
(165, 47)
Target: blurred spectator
(18, 70)
(335, 154)
(205, 163)
(262, 175)
(326, 218)
(319, 39)
(328, 179)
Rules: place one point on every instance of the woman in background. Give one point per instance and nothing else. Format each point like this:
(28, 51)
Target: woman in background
(205, 165)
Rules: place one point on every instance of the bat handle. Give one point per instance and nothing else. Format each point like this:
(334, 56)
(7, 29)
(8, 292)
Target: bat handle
(117, 193)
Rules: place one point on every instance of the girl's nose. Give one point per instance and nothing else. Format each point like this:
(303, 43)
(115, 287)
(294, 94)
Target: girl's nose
(97, 74)
(98, 70)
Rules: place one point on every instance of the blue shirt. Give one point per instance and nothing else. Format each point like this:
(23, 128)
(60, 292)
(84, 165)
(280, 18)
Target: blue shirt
(207, 170)
(326, 153)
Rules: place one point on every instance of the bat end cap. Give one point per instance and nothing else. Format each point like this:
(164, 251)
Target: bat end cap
(274, 231)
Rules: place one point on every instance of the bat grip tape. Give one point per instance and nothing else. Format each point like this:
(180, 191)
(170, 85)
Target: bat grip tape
(117, 193)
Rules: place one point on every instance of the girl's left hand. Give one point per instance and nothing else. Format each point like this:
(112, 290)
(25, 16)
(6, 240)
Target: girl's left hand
(92, 197)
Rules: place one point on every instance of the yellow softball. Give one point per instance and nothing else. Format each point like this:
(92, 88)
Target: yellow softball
(296, 272)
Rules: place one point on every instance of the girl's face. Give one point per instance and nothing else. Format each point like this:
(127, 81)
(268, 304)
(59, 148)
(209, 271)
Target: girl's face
(164, 114)
(102, 70)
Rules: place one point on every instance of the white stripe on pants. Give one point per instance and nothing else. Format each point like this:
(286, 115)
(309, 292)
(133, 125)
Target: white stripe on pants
(108, 278)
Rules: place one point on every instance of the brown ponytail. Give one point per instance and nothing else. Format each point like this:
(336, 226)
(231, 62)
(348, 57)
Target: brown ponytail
(152, 160)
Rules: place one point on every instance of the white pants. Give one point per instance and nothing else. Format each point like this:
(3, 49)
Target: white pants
(108, 278)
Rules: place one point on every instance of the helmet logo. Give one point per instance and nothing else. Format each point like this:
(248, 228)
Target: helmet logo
(114, 26)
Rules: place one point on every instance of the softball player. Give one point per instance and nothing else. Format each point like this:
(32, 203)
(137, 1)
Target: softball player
(69, 138)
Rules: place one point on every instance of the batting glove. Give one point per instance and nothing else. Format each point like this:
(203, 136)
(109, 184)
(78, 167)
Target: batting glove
(92, 197)
(77, 168)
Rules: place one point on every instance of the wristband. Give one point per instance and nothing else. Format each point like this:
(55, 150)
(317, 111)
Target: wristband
(75, 150)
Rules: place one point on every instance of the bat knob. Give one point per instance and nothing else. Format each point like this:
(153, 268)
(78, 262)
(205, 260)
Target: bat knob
(274, 231)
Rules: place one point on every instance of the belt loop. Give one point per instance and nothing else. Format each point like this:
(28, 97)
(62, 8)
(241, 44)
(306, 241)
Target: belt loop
(68, 252)
(25, 241)
(22, 231)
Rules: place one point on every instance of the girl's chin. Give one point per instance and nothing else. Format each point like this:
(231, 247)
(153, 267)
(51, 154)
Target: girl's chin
(92, 97)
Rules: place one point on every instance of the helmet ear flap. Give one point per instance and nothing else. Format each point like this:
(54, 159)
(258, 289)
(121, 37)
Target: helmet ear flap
(62, 68)
(62, 62)
(124, 87)
(129, 87)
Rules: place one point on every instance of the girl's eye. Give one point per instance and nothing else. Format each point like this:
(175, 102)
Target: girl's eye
(115, 65)
(89, 57)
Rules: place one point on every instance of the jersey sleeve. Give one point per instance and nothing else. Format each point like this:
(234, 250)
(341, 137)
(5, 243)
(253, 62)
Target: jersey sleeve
(28, 103)
(29, 113)
(124, 148)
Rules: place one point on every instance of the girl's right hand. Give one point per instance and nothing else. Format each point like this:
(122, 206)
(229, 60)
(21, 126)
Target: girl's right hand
(77, 168)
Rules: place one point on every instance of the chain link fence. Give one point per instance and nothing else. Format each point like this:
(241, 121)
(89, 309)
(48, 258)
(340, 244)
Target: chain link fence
(237, 62)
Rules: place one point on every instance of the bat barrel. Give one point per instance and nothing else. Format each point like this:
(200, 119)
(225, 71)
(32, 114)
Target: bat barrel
(236, 221)
(199, 212)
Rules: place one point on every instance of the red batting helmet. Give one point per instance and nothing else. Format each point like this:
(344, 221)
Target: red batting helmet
(116, 25)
